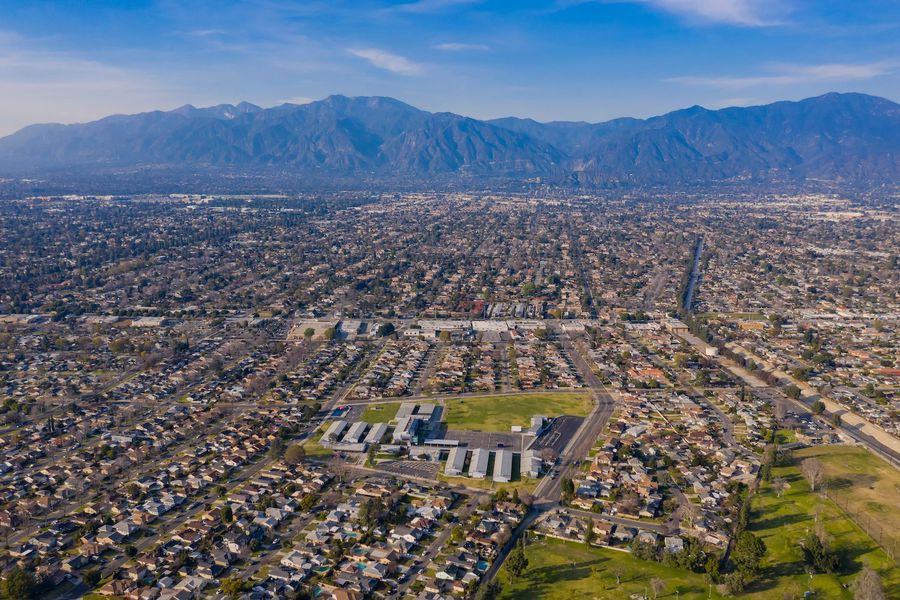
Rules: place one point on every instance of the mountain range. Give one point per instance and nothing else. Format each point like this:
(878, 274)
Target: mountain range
(835, 137)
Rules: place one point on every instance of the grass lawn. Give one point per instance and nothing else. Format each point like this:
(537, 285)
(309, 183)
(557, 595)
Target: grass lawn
(783, 522)
(524, 485)
(867, 485)
(380, 413)
(559, 570)
(500, 413)
(312, 446)
(785, 436)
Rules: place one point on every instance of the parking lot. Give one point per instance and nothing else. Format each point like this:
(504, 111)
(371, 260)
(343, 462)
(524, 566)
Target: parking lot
(411, 468)
(558, 435)
(489, 440)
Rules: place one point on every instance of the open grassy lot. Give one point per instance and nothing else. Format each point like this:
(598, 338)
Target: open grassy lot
(559, 570)
(380, 413)
(499, 413)
(783, 522)
(866, 486)
(523, 484)
(312, 446)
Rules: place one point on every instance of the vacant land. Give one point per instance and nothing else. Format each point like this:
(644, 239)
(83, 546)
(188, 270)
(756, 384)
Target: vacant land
(523, 484)
(782, 523)
(559, 570)
(500, 413)
(866, 486)
(380, 413)
(312, 446)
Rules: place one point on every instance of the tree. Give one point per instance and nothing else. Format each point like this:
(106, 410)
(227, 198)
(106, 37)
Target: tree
(813, 470)
(92, 578)
(276, 450)
(294, 454)
(227, 514)
(748, 552)
(490, 591)
(836, 420)
(868, 586)
(712, 569)
(792, 391)
(329, 333)
(233, 587)
(817, 407)
(19, 585)
(589, 534)
(657, 586)
(568, 487)
(386, 329)
(308, 333)
(516, 562)
(130, 551)
(779, 485)
(818, 554)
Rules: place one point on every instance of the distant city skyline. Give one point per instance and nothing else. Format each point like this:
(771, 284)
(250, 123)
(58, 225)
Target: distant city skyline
(549, 60)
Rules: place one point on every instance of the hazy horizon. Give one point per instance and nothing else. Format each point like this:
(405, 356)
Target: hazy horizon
(565, 60)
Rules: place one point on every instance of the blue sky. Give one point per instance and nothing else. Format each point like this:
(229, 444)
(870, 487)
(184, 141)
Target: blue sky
(555, 59)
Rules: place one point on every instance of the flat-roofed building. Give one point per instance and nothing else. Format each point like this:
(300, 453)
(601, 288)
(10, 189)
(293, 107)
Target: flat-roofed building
(425, 411)
(531, 464)
(503, 466)
(456, 460)
(405, 430)
(479, 464)
(356, 432)
(335, 431)
(406, 410)
(376, 434)
(345, 447)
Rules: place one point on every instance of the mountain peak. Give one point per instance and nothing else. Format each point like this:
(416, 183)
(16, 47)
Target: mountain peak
(848, 137)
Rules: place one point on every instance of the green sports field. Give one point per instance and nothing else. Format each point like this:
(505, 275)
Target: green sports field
(560, 570)
(866, 486)
(500, 413)
(783, 522)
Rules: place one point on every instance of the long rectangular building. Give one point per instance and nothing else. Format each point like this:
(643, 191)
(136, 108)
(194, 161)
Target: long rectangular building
(333, 433)
(356, 432)
(479, 464)
(456, 460)
(376, 434)
(503, 463)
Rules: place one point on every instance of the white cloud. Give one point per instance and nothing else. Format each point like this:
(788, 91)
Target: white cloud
(746, 13)
(460, 47)
(298, 100)
(387, 61)
(788, 74)
(38, 85)
(430, 6)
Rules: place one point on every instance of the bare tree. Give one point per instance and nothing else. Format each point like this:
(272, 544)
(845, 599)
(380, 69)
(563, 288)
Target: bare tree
(657, 586)
(780, 412)
(691, 512)
(779, 485)
(868, 586)
(814, 472)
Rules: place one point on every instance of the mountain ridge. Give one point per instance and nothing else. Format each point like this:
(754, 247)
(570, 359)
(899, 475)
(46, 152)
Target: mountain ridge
(835, 136)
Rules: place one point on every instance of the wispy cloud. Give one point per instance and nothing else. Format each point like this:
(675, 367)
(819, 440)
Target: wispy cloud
(37, 85)
(744, 13)
(298, 100)
(460, 47)
(788, 74)
(431, 6)
(387, 61)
